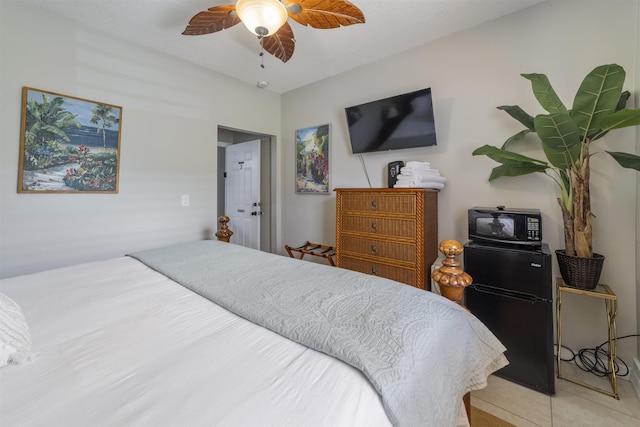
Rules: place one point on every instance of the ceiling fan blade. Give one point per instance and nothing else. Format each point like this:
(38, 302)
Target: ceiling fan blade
(214, 19)
(281, 44)
(324, 14)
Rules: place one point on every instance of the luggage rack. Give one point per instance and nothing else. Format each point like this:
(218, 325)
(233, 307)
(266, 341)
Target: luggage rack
(314, 249)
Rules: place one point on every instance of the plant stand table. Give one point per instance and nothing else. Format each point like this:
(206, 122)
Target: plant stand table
(610, 299)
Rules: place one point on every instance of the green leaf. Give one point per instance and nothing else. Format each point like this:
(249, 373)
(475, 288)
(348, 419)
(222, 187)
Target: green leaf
(626, 160)
(513, 164)
(566, 191)
(517, 137)
(597, 97)
(624, 97)
(519, 114)
(504, 156)
(544, 93)
(515, 169)
(620, 119)
(560, 139)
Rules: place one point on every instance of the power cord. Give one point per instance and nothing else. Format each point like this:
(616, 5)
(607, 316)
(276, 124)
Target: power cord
(364, 168)
(595, 360)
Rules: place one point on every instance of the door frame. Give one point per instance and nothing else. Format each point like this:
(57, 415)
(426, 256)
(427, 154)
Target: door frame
(228, 136)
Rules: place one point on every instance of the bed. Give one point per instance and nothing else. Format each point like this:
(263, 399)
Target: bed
(214, 334)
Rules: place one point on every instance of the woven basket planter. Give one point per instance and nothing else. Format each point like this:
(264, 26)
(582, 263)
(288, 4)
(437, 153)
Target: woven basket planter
(580, 273)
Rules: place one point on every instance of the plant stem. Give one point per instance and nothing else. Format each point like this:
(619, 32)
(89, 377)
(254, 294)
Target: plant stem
(567, 219)
(582, 206)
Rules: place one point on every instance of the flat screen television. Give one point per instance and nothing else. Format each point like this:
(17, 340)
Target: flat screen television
(397, 122)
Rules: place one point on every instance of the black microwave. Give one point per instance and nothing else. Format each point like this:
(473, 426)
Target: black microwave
(503, 225)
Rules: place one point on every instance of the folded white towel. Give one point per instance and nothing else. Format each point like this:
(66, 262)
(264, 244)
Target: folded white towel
(419, 178)
(405, 184)
(413, 164)
(403, 177)
(419, 175)
(429, 177)
(409, 171)
(426, 173)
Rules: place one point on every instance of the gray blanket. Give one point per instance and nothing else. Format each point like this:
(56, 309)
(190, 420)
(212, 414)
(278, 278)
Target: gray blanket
(420, 351)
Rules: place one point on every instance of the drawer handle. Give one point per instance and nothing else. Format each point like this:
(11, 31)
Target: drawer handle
(374, 225)
(374, 204)
(374, 249)
(374, 271)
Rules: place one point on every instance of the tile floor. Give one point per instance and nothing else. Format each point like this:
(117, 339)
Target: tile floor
(572, 405)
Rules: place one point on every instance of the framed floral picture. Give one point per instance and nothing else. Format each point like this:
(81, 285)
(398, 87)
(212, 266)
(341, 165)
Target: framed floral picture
(68, 144)
(312, 160)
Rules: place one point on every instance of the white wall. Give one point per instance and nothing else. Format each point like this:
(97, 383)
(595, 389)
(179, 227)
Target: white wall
(471, 73)
(170, 117)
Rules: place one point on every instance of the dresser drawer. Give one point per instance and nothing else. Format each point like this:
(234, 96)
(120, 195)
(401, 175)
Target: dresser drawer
(392, 227)
(379, 248)
(397, 204)
(399, 274)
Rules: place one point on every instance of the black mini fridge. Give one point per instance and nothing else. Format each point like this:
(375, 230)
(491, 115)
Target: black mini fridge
(512, 295)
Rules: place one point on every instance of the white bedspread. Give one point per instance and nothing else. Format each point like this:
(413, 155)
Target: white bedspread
(118, 344)
(420, 351)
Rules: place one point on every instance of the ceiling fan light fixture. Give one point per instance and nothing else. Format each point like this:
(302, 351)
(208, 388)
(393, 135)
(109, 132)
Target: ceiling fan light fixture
(262, 17)
(268, 20)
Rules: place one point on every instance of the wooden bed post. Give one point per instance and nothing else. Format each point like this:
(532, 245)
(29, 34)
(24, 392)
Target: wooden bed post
(452, 280)
(224, 234)
(450, 276)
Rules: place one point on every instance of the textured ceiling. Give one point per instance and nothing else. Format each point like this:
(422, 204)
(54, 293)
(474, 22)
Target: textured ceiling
(391, 26)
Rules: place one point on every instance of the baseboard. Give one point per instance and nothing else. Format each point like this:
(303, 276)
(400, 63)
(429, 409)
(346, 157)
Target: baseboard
(635, 376)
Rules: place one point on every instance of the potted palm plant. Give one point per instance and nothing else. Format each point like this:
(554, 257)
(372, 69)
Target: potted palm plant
(566, 137)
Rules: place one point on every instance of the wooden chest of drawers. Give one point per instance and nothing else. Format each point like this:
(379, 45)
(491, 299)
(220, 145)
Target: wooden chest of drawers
(388, 232)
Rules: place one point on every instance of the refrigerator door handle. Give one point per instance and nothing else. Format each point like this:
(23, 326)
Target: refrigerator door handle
(505, 293)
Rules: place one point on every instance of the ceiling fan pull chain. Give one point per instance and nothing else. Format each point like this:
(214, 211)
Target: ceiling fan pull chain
(261, 52)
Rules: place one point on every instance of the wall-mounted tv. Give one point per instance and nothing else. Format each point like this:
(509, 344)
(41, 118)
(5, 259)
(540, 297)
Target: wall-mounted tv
(401, 121)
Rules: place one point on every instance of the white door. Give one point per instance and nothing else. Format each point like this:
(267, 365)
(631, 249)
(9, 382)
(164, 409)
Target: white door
(242, 193)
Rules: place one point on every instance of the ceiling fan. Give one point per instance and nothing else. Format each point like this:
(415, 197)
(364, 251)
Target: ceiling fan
(268, 20)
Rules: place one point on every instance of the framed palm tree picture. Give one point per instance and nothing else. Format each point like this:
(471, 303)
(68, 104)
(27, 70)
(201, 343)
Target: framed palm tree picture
(312, 160)
(68, 144)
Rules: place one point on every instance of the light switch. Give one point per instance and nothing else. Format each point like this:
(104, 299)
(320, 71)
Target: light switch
(185, 200)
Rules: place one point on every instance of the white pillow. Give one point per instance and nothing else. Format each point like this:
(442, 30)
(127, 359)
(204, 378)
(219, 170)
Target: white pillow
(15, 339)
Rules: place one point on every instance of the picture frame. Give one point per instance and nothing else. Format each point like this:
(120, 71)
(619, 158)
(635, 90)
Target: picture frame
(68, 144)
(312, 160)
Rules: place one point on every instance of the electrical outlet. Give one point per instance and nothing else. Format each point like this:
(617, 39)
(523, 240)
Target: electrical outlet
(185, 200)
